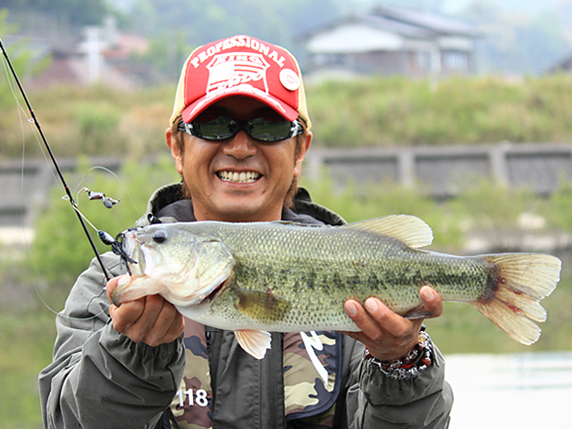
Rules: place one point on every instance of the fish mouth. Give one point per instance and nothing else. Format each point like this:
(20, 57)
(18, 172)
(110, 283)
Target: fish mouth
(211, 296)
(203, 292)
(238, 177)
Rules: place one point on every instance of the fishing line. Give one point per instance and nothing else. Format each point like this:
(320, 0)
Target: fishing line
(21, 114)
(52, 157)
(108, 171)
(13, 81)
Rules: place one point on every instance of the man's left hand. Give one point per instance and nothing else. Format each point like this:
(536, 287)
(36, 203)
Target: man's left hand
(386, 334)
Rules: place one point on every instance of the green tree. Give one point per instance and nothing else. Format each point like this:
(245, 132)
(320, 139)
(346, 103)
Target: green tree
(78, 12)
(273, 20)
(21, 56)
(60, 251)
(517, 42)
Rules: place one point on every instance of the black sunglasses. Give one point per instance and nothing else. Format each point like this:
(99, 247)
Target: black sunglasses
(263, 128)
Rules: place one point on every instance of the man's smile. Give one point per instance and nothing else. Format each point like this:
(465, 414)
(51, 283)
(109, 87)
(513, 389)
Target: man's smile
(236, 177)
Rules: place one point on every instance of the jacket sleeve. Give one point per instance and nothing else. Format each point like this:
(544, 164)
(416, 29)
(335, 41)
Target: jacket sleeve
(98, 377)
(374, 400)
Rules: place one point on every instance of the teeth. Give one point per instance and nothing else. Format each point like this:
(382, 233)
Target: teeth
(243, 177)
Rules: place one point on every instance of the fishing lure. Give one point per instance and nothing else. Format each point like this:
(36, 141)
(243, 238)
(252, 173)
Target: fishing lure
(107, 201)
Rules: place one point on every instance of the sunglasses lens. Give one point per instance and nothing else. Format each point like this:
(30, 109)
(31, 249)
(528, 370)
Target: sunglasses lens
(214, 127)
(263, 128)
(270, 128)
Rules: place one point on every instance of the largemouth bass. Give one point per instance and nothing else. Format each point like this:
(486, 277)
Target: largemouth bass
(252, 278)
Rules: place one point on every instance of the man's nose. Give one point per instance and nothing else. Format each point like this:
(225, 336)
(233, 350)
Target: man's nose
(240, 146)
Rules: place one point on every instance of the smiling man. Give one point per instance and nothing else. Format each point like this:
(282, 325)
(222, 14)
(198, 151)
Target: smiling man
(238, 134)
(245, 176)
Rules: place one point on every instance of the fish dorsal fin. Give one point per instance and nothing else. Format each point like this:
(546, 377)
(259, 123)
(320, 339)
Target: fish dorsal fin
(408, 229)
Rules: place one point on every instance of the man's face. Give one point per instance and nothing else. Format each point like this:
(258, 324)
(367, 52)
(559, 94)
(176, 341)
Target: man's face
(238, 179)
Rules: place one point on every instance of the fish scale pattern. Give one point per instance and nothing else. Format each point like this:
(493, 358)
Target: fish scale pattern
(313, 270)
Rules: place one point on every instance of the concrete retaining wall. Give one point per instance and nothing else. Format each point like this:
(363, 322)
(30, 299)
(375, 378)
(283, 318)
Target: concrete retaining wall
(440, 170)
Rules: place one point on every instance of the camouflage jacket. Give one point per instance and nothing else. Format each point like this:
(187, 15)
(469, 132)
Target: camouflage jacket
(100, 378)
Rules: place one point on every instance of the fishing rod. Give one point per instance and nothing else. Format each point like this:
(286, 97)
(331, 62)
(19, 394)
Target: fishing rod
(102, 234)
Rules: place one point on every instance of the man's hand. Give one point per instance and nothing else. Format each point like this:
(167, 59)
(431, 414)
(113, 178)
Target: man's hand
(151, 319)
(386, 334)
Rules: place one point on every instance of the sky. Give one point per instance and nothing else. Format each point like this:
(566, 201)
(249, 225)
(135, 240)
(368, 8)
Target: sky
(528, 6)
(450, 7)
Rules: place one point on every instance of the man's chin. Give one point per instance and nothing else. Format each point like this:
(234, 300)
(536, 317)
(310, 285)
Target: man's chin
(240, 210)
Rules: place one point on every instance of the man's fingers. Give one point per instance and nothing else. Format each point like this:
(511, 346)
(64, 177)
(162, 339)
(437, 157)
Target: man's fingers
(167, 326)
(432, 301)
(127, 314)
(113, 283)
(150, 319)
(177, 326)
(385, 333)
(360, 317)
(373, 322)
(391, 322)
(153, 305)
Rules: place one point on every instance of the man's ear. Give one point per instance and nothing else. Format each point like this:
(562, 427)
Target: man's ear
(302, 153)
(176, 152)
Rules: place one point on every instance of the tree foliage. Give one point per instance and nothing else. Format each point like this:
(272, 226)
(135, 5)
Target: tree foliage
(79, 12)
(22, 58)
(519, 42)
(273, 20)
(60, 251)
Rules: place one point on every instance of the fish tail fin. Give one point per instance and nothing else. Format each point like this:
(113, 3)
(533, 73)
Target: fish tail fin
(522, 280)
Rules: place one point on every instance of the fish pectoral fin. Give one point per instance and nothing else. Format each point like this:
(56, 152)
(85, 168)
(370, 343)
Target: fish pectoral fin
(418, 313)
(254, 342)
(261, 305)
(408, 229)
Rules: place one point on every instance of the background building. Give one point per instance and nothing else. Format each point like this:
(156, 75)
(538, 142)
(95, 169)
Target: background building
(393, 41)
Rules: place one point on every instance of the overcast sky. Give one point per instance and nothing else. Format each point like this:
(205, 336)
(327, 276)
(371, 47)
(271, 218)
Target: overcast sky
(529, 6)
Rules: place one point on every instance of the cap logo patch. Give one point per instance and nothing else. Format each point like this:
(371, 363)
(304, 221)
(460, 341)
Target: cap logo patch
(240, 42)
(289, 79)
(230, 70)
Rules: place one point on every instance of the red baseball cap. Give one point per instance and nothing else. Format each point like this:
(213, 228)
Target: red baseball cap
(241, 65)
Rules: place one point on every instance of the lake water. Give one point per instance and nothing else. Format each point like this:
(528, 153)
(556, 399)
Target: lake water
(523, 390)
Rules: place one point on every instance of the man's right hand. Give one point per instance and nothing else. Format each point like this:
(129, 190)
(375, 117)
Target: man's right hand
(151, 319)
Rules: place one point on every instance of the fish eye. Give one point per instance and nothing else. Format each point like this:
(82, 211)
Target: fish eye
(159, 236)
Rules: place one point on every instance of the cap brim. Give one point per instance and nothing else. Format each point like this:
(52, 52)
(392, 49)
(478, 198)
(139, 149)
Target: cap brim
(192, 110)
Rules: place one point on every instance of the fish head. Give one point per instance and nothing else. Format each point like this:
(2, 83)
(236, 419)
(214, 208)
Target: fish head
(181, 264)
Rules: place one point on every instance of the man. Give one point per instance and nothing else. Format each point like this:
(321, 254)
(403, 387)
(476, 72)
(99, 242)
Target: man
(239, 133)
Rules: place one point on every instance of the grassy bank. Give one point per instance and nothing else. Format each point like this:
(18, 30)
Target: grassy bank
(27, 340)
(364, 112)
(399, 111)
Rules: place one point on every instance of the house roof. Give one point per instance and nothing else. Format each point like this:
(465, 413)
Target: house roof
(438, 23)
(389, 29)
(364, 33)
(373, 21)
(562, 65)
(399, 27)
